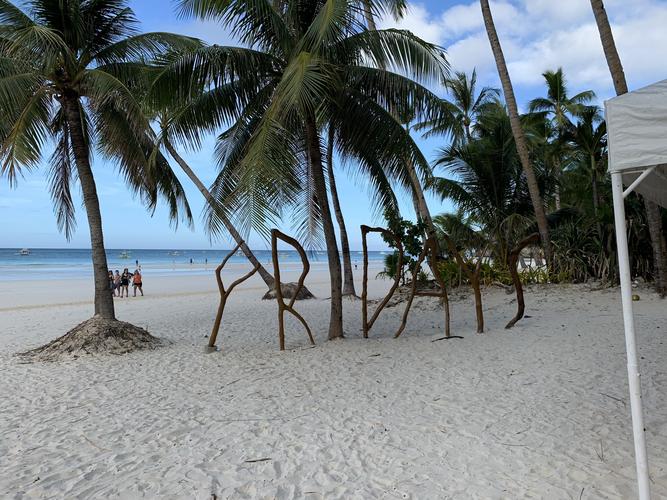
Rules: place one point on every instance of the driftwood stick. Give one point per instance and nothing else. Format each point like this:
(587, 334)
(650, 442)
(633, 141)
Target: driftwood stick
(413, 290)
(224, 294)
(282, 307)
(366, 323)
(433, 264)
(516, 279)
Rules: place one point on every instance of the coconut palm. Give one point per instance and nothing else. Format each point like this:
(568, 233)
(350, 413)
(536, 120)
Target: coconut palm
(67, 74)
(458, 115)
(517, 130)
(348, 277)
(558, 104)
(165, 140)
(310, 65)
(653, 213)
(588, 135)
(560, 108)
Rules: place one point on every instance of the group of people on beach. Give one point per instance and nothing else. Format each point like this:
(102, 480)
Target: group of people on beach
(119, 284)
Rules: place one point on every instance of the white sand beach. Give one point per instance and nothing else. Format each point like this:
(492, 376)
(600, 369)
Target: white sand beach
(540, 411)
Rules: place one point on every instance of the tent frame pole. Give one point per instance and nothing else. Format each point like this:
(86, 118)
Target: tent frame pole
(634, 382)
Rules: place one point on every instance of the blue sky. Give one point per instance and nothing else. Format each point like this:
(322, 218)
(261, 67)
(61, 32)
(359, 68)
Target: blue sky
(536, 35)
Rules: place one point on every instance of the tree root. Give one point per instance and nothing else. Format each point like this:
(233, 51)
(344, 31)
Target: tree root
(95, 336)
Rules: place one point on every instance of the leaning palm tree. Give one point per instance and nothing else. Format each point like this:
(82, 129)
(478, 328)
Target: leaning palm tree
(517, 130)
(458, 115)
(310, 65)
(165, 122)
(658, 243)
(66, 73)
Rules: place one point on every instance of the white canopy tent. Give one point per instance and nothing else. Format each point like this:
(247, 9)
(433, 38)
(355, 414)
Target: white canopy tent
(637, 142)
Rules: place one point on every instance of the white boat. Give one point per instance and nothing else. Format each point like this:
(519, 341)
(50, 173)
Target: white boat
(125, 254)
(24, 251)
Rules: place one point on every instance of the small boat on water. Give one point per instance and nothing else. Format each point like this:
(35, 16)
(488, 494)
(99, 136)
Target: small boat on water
(24, 251)
(125, 254)
(175, 252)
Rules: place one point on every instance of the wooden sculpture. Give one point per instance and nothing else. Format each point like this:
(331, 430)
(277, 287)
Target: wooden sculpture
(366, 323)
(430, 253)
(224, 294)
(282, 307)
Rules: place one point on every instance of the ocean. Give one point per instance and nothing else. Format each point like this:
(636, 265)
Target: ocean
(62, 263)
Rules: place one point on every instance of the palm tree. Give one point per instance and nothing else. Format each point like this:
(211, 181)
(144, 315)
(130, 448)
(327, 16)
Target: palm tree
(558, 104)
(310, 65)
(67, 75)
(653, 215)
(589, 137)
(517, 130)
(457, 116)
(348, 277)
(560, 107)
(167, 123)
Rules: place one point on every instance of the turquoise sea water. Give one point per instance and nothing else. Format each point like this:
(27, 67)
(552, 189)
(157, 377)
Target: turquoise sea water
(60, 263)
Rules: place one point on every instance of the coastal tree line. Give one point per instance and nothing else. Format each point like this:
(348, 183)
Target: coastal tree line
(314, 81)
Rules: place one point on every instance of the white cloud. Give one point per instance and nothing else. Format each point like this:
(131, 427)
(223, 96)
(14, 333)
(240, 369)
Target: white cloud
(537, 35)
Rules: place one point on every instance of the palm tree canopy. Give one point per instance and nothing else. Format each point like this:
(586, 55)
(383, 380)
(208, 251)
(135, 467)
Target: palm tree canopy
(558, 104)
(456, 117)
(89, 51)
(302, 61)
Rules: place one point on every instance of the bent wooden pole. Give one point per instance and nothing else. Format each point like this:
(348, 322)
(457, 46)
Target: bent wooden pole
(224, 294)
(282, 307)
(429, 250)
(365, 322)
(516, 279)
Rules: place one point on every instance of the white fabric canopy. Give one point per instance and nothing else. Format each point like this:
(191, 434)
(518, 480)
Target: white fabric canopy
(637, 138)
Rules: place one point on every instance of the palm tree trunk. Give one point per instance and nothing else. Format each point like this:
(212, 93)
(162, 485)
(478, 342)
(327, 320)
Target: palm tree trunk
(517, 131)
(348, 277)
(368, 14)
(315, 158)
(596, 196)
(104, 306)
(621, 86)
(266, 276)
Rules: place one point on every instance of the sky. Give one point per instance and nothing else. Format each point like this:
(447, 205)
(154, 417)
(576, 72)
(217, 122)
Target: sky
(536, 35)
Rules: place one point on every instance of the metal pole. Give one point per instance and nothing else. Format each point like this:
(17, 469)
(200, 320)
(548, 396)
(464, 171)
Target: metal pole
(630, 341)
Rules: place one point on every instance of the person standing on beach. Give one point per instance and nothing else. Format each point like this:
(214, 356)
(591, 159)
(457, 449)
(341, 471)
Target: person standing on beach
(137, 283)
(116, 283)
(125, 283)
(111, 284)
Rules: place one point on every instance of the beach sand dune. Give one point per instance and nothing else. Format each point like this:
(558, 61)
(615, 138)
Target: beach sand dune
(540, 411)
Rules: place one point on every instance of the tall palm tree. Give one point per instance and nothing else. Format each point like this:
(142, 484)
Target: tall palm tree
(310, 65)
(653, 215)
(560, 107)
(68, 72)
(348, 277)
(457, 115)
(589, 137)
(517, 130)
(418, 199)
(167, 124)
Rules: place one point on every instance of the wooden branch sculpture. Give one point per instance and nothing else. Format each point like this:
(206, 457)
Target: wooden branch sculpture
(516, 279)
(224, 294)
(282, 307)
(430, 253)
(366, 323)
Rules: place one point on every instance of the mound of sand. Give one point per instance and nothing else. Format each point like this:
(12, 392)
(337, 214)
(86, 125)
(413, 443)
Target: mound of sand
(95, 336)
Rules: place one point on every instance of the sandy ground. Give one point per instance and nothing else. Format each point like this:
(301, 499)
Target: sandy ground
(540, 411)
